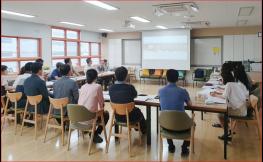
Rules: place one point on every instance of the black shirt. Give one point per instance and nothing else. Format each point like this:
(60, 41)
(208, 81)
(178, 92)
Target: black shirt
(122, 93)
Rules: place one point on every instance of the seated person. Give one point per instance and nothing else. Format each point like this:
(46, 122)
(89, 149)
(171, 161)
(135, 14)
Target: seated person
(68, 61)
(122, 93)
(173, 97)
(19, 83)
(34, 85)
(236, 95)
(91, 97)
(89, 65)
(103, 66)
(56, 74)
(66, 87)
(4, 81)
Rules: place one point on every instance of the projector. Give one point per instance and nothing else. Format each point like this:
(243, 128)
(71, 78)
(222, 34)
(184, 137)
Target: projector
(128, 24)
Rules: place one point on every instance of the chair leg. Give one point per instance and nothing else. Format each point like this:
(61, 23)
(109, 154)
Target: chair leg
(48, 117)
(104, 128)
(258, 123)
(92, 136)
(36, 122)
(62, 132)
(129, 140)
(160, 147)
(24, 116)
(69, 135)
(110, 133)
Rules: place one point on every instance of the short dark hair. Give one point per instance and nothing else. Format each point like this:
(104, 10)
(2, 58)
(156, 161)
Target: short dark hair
(88, 60)
(59, 64)
(3, 68)
(67, 60)
(105, 60)
(64, 69)
(22, 70)
(36, 67)
(40, 60)
(121, 73)
(28, 67)
(91, 75)
(172, 75)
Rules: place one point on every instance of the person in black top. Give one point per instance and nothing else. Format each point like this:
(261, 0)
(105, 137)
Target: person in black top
(122, 93)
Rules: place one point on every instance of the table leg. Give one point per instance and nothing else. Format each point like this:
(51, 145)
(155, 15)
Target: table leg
(148, 123)
(202, 115)
(157, 119)
(225, 134)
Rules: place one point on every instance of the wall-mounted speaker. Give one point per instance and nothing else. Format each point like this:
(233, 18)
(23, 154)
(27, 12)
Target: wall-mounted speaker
(104, 35)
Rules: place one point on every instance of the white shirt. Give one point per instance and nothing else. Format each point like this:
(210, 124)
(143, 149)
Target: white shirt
(21, 79)
(236, 95)
(86, 68)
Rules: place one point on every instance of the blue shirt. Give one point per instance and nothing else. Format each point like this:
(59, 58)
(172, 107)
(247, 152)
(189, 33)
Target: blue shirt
(173, 97)
(55, 73)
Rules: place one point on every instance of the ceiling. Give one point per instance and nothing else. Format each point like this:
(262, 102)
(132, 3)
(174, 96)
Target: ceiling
(219, 14)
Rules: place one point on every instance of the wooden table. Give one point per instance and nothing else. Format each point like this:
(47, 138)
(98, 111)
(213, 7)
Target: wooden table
(197, 105)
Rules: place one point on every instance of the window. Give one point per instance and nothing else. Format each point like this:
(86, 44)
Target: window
(17, 51)
(66, 43)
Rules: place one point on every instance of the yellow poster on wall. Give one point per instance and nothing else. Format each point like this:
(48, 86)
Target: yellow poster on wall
(216, 50)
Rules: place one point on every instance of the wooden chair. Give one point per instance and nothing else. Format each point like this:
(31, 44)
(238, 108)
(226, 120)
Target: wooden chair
(56, 104)
(132, 74)
(255, 119)
(123, 109)
(34, 101)
(78, 114)
(14, 98)
(176, 125)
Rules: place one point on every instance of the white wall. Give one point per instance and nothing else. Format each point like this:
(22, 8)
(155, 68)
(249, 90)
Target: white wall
(25, 29)
(28, 29)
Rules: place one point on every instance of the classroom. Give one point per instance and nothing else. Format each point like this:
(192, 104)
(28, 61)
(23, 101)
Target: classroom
(131, 80)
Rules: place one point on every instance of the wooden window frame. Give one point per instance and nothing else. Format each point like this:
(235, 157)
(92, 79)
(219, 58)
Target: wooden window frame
(18, 59)
(65, 40)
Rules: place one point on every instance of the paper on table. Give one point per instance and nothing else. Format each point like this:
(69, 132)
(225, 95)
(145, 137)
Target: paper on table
(215, 100)
(142, 98)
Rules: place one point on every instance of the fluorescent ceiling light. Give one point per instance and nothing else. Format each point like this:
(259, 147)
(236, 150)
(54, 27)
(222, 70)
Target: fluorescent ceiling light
(245, 11)
(106, 30)
(140, 19)
(102, 5)
(161, 27)
(16, 14)
(70, 23)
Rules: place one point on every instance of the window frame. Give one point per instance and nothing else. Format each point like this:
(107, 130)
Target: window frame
(78, 41)
(18, 59)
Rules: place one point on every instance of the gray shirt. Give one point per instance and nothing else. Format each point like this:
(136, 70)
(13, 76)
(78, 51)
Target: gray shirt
(66, 87)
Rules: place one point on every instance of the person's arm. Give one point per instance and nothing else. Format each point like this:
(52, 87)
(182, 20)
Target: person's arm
(43, 90)
(75, 92)
(16, 82)
(187, 99)
(75, 72)
(100, 98)
(133, 92)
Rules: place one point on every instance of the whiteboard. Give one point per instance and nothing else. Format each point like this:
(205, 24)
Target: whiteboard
(206, 51)
(131, 52)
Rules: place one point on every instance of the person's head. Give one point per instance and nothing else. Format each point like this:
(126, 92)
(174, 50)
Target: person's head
(241, 75)
(105, 61)
(3, 70)
(40, 61)
(65, 69)
(59, 64)
(37, 68)
(22, 70)
(172, 75)
(89, 61)
(227, 73)
(91, 75)
(28, 67)
(68, 61)
(121, 73)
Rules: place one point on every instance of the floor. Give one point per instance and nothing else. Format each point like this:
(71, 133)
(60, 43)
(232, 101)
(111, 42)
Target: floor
(244, 146)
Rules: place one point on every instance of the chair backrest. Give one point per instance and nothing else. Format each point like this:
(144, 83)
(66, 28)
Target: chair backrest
(34, 100)
(120, 109)
(145, 72)
(78, 113)
(14, 97)
(175, 120)
(164, 73)
(199, 73)
(158, 72)
(253, 101)
(58, 103)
